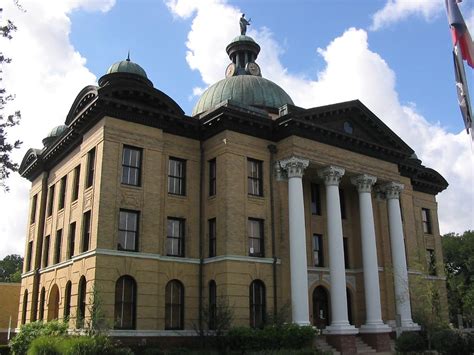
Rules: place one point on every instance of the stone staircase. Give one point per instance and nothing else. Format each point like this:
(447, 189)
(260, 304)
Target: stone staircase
(321, 344)
(362, 348)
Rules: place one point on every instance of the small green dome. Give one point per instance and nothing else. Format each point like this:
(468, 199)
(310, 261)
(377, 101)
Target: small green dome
(54, 134)
(127, 66)
(248, 90)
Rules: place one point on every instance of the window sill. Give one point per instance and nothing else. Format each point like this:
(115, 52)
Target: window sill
(177, 196)
(130, 186)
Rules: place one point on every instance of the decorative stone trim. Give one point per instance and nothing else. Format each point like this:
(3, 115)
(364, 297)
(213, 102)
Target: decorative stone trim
(392, 190)
(364, 182)
(151, 333)
(293, 166)
(331, 175)
(248, 259)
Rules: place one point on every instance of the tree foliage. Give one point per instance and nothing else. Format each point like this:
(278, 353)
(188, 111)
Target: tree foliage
(10, 268)
(458, 253)
(7, 120)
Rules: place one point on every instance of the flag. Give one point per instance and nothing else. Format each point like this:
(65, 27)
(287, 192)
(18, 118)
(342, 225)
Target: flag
(459, 31)
(461, 86)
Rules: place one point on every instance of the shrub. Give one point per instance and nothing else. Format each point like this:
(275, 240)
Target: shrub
(28, 332)
(451, 341)
(287, 336)
(410, 341)
(46, 345)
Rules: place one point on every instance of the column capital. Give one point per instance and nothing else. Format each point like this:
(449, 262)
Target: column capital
(392, 190)
(293, 166)
(331, 175)
(364, 182)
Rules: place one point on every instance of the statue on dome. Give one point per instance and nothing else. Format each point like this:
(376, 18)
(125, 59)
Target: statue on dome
(243, 24)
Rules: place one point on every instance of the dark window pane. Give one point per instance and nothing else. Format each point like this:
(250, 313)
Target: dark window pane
(212, 304)
(342, 201)
(57, 246)
(346, 252)
(212, 237)
(128, 230)
(131, 166)
(46, 251)
(257, 304)
(41, 304)
(67, 300)
(174, 305)
(255, 237)
(254, 177)
(212, 177)
(125, 303)
(426, 219)
(72, 240)
(33, 209)
(86, 227)
(177, 176)
(318, 256)
(29, 255)
(50, 201)
(62, 192)
(315, 199)
(77, 176)
(175, 237)
(90, 167)
(81, 302)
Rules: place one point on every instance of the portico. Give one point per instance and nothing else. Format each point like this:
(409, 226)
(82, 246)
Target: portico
(374, 330)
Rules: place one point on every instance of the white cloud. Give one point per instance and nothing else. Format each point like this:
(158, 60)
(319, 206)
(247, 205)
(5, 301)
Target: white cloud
(45, 75)
(397, 10)
(366, 76)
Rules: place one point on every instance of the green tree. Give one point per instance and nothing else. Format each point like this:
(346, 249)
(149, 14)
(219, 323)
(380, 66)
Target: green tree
(458, 252)
(10, 268)
(7, 120)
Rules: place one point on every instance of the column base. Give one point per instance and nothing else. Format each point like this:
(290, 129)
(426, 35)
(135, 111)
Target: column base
(379, 341)
(340, 329)
(409, 326)
(344, 343)
(379, 327)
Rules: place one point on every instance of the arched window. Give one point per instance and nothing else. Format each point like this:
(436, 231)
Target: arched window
(174, 305)
(212, 304)
(41, 304)
(81, 302)
(53, 303)
(25, 307)
(125, 303)
(67, 300)
(257, 304)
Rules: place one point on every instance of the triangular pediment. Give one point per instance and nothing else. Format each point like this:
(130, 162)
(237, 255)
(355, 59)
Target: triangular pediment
(353, 126)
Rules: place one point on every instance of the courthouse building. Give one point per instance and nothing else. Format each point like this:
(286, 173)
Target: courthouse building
(251, 198)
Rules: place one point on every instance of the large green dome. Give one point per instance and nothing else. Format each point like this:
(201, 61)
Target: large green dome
(54, 134)
(247, 90)
(127, 66)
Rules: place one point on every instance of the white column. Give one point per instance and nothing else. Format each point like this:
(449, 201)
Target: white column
(373, 323)
(400, 274)
(298, 265)
(339, 320)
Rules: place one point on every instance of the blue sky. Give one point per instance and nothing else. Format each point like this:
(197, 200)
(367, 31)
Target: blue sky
(418, 50)
(393, 55)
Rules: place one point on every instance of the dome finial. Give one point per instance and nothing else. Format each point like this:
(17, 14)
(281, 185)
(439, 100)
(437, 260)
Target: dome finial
(128, 56)
(243, 24)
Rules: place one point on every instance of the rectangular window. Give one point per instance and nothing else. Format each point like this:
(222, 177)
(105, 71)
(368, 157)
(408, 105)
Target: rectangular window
(28, 255)
(255, 234)
(90, 167)
(62, 192)
(315, 199)
(175, 237)
(212, 177)
(342, 200)
(33, 209)
(57, 246)
(77, 177)
(131, 166)
(50, 200)
(431, 259)
(212, 237)
(46, 251)
(255, 179)
(72, 240)
(426, 218)
(86, 231)
(177, 176)
(318, 256)
(345, 245)
(128, 230)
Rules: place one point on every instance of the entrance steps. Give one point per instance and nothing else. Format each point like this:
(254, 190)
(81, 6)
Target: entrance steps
(362, 348)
